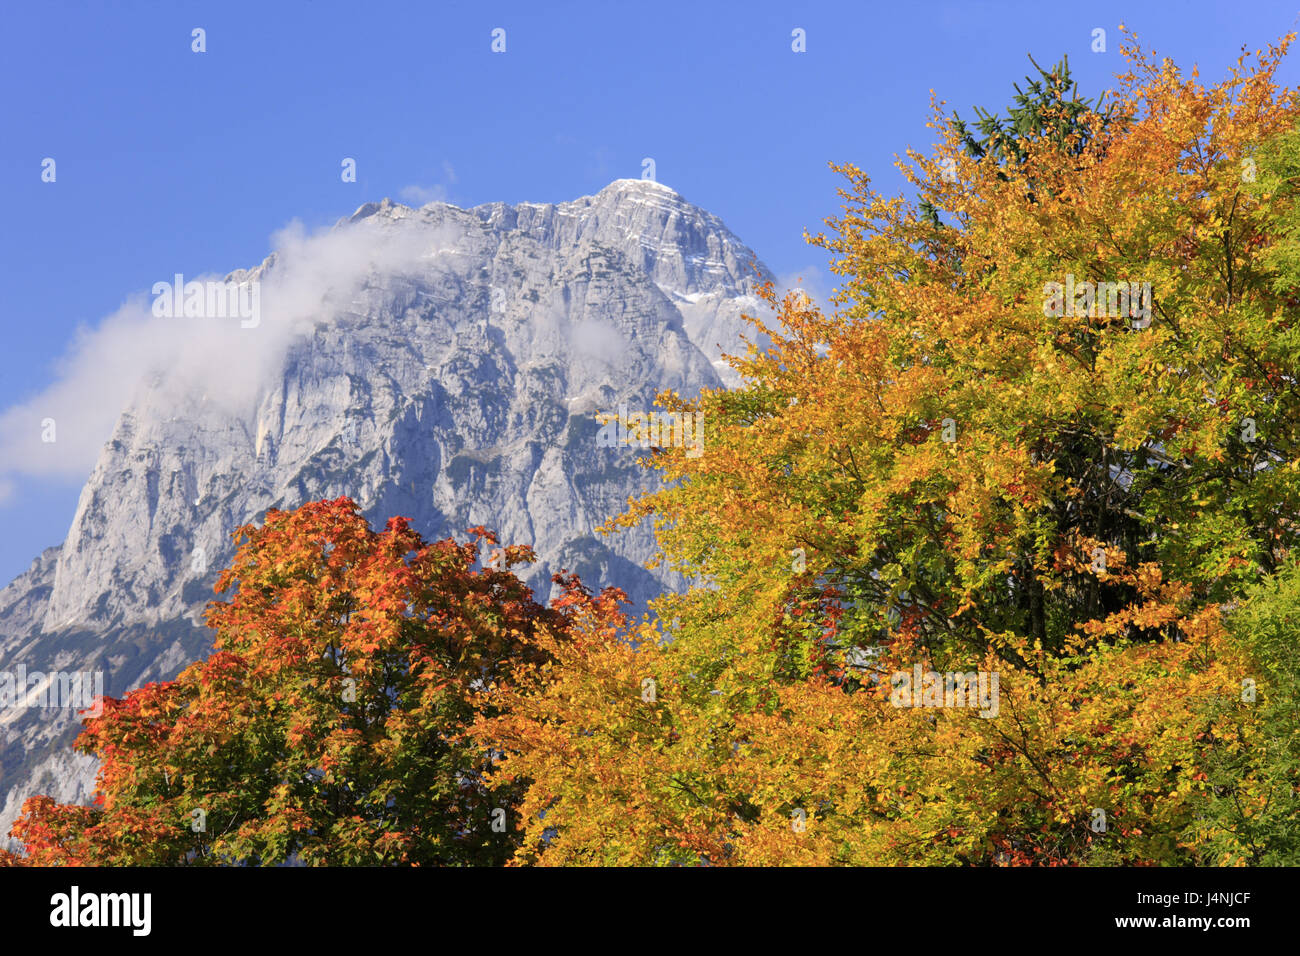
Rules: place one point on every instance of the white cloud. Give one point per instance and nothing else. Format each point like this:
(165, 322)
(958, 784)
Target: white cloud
(813, 281)
(438, 192)
(422, 195)
(596, 340)
(178, 360)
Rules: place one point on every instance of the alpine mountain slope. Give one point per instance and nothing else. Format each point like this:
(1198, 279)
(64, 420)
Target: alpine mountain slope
(453, 376)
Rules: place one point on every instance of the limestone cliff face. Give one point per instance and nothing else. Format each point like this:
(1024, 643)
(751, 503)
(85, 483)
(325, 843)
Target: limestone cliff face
(458, 390)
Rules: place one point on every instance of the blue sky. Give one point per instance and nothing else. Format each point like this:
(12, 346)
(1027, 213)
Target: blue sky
(174, 161)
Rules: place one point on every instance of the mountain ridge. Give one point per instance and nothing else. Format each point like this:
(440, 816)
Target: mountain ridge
(453, 379)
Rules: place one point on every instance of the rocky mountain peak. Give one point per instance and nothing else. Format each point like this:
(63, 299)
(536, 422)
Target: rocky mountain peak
(444, 364)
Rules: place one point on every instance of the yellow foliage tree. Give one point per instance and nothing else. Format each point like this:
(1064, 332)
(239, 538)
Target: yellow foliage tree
(1047, 434)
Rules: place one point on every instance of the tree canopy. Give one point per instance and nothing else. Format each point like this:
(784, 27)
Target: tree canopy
(994, 563)
(990, 459)
(327, 727)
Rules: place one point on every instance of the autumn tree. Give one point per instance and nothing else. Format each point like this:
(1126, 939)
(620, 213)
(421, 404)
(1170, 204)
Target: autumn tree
(1251, 801)
(327, 725)
(1249, 807)
(985, 459)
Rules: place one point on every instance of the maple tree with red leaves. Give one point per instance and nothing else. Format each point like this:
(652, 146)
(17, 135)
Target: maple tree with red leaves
(327, 725)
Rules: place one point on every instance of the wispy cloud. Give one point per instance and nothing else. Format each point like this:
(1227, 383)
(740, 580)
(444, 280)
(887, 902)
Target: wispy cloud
(174, 362)
(422, 195)
(813, 281)
(437, 192)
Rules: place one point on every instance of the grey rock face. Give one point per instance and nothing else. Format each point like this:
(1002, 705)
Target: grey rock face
(455, 383)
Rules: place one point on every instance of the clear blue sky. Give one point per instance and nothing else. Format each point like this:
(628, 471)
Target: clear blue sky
(171, 161)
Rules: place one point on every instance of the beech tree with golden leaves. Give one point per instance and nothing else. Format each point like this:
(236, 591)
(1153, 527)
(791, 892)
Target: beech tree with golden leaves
(992, 459)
